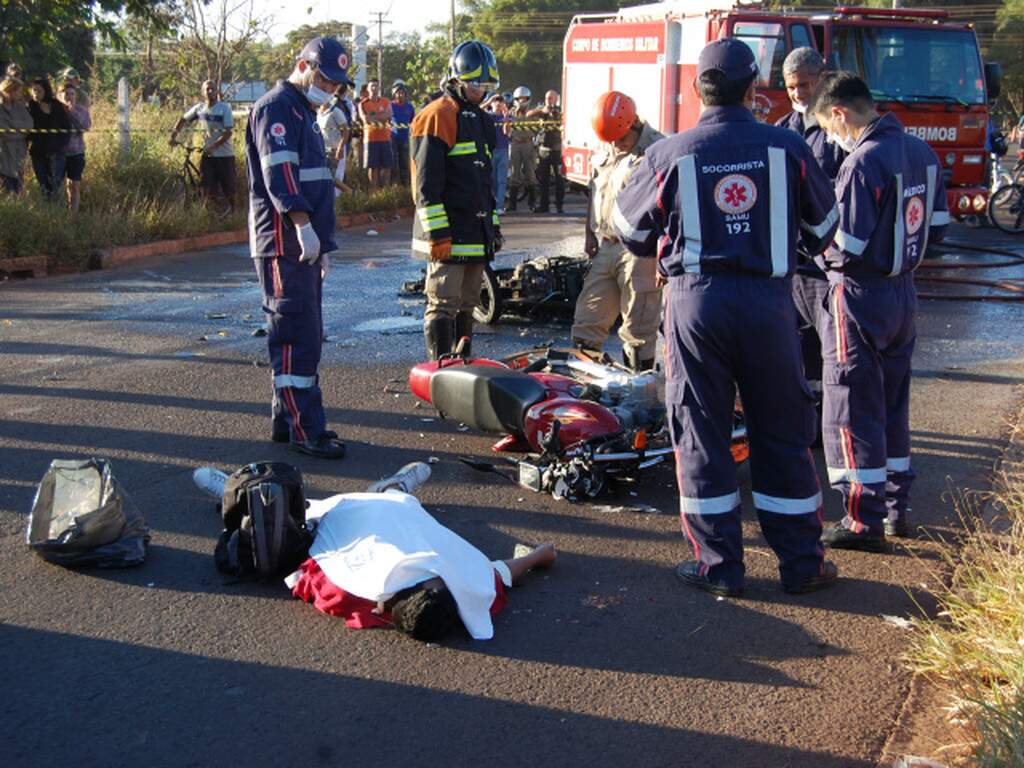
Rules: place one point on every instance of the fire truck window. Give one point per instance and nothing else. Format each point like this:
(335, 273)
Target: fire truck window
(768, 42)
(908, 64)
(799, 37)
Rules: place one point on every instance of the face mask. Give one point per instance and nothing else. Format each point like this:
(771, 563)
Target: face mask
(317, 96)
(847, 144)
(801, 108)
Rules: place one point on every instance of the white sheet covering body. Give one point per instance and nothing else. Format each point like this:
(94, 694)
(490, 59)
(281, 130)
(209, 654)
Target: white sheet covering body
(374, 545)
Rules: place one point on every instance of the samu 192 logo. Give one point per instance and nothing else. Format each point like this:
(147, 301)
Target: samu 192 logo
(735, 193)
(914, 215)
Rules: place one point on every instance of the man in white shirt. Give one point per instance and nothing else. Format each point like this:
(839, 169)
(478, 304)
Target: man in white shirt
(217, 164)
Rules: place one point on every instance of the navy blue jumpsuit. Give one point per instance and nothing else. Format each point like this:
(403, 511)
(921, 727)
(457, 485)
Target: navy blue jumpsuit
(892, 204)
(809, 284)
(287, 171)
(723, 207)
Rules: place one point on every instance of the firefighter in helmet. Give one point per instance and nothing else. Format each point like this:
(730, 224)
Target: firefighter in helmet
(523, 151)
(618, 282)
(456, 226)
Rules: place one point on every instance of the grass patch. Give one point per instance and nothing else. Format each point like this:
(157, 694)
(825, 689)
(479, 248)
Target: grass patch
(975, 645)
(139, 199)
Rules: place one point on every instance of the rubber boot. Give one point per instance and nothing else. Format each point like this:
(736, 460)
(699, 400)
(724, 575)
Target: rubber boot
(632, 360)
(513, 198)
(464, 330)
(438, 334)
(531, 197)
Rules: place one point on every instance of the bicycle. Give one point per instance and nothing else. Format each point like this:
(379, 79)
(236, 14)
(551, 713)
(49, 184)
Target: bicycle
(1006, 199)
(190, 186)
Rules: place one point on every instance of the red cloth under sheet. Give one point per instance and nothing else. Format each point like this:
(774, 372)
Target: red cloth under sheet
(314, 587)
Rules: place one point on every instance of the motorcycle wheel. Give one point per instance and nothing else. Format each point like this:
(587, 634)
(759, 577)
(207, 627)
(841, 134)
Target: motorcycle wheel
(490, 307)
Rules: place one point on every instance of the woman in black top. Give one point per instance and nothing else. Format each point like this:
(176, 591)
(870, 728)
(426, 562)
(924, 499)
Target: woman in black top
(46, 149)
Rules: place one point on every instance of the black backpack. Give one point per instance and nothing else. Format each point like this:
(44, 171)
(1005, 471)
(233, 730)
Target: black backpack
(264, 513)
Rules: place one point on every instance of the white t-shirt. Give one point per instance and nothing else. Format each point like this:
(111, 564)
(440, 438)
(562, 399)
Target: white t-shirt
(332, 123)
(374, 545)
(215, 121)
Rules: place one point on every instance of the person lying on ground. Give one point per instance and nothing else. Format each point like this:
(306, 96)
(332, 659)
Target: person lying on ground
(379, 559)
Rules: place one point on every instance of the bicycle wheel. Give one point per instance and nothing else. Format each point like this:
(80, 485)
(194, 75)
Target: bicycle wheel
(1006, 208)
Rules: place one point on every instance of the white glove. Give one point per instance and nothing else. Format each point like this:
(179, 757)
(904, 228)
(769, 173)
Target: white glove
(309, 243)
(325, 265)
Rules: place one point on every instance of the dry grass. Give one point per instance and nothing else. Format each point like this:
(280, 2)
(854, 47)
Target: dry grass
(974, 647)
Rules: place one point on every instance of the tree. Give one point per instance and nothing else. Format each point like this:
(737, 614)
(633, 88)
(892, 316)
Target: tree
(213, 36)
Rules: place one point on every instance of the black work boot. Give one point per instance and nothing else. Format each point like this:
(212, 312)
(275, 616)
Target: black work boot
(464, 330)
(531, 197)
(688, 572)
(631, 357)
(438, 334)
(841, 537)
(513, 198)
(828, 576)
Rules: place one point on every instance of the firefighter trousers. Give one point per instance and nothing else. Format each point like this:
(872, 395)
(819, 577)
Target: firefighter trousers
(452, 288)
(868, 335)
(809, 292)
(722, 332)
(292, 296)
(619, 283)
(523, 164)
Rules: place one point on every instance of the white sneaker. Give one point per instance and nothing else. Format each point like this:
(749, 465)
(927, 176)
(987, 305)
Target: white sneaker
(210, 480)
(407, 479)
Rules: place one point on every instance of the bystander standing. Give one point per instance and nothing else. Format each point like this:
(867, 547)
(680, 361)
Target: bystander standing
(402, 113)
(217, 164)
(46, 148)
(375, 111)
(335, 120)
(499, 162)
(15, 122)
(74, 150)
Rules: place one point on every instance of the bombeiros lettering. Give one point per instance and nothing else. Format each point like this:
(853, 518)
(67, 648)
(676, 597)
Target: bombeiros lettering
(933, 132)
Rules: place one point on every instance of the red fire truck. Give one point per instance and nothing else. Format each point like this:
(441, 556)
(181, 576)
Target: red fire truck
(919, 65)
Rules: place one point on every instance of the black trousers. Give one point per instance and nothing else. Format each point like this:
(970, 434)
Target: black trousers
(552, 164)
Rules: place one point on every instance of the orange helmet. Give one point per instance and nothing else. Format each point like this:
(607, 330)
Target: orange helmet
(613, 115)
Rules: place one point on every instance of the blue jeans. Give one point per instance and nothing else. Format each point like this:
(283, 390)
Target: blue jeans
(49, 173)
(500, 164)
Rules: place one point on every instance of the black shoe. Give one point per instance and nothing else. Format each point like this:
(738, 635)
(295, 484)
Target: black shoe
(897, 528)
(688, 572)
(279, 436)
(326, 446)
(828, 576)
(839, 537)
(438, 335)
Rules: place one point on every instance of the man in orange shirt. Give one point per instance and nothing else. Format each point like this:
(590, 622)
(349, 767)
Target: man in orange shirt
(375, 112)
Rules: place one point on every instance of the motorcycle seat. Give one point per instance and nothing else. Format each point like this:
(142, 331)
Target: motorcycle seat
(485, 397)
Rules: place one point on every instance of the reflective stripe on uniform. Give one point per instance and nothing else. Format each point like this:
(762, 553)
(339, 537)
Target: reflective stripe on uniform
(463, 148)
(291, 380)
(820, 230)
(899, 233)
(847, 242)
(940, 218)
(625, 229)
(279, 158)
(420, 246)
(778, 202)
(315, 174)
(690, 202)
(713, 505)
(864, 475)
(468, 249)
(494, 219)
(781, 505)
(898, 464)
(929, 207)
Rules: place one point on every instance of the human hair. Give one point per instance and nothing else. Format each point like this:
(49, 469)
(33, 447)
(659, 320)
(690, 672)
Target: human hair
(9, 85)
(425, 614)
(47, 86)
(803, 59)
(841, 89)
(716, 91)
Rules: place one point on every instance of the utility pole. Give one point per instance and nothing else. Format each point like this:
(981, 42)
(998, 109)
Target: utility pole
(451, 26)
(380, 21)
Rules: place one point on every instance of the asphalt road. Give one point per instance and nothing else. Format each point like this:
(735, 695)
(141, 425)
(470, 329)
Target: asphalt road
(604, 660)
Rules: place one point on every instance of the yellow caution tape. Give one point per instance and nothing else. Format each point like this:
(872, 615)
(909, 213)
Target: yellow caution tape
(550, 124)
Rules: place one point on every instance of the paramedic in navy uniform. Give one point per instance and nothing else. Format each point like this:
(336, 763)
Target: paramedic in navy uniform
(802, 71)
(892, 204)
(291, 231)
(723, 207)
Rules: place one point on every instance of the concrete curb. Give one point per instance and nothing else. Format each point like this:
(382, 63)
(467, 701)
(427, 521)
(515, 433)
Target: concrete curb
(121, 255)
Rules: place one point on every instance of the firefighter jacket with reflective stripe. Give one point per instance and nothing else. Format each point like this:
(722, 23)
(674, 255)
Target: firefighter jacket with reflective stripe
(287, 171)
(892, 203)
(450, 145)
(729, 195)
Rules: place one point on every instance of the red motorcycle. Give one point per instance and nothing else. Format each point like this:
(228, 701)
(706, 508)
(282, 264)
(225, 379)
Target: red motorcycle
(581, 419)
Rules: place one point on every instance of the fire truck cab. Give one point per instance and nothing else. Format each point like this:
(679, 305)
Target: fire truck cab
(918, 65)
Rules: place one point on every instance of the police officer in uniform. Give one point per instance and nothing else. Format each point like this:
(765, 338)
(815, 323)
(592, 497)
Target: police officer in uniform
(549, 151)
(723, 207)
(291, 231)
(617, 282)
(892, 204)
(801, 72)
(456, 226)
(523, 152)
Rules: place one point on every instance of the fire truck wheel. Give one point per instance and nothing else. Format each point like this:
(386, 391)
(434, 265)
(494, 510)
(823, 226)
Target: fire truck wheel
(490, 307)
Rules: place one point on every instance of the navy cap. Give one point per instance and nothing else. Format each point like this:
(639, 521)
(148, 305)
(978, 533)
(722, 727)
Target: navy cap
(731, 57)
(330, 57)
